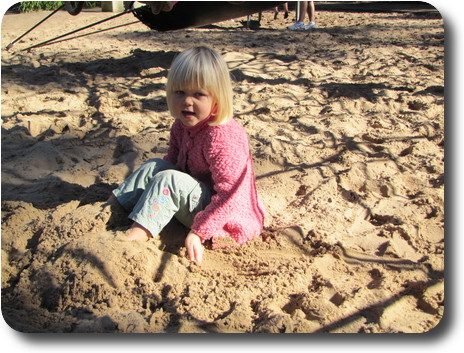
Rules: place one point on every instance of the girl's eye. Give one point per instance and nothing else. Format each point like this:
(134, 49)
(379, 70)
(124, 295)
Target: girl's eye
(196, 94)
(203, 94)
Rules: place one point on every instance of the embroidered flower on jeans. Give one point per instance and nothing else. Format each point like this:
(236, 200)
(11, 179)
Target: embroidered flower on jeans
(162, 199)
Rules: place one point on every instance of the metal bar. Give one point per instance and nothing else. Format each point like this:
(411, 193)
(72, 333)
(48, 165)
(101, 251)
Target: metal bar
(88, 34)
(75, 31)
(34, 27)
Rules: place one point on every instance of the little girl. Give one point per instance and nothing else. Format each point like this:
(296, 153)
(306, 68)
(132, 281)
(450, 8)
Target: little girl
(206, 180)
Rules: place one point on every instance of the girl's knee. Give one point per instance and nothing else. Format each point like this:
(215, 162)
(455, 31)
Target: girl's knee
(154, 166)
(176, 182)
(172, 176)
(154, 162)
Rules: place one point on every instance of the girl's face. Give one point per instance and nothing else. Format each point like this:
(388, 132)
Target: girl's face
(191, 105)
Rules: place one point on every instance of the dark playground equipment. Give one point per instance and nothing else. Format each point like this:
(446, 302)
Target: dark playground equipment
(185, 14)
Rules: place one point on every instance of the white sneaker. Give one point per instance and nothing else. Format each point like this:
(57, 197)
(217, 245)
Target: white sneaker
(297, 26)
(311, 25)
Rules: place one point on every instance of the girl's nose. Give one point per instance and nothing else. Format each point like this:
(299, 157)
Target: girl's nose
(188, 100)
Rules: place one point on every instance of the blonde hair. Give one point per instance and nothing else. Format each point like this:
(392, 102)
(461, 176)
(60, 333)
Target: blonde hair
(204, 68)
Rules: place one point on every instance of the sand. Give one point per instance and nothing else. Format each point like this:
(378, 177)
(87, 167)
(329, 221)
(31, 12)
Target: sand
(346, 127)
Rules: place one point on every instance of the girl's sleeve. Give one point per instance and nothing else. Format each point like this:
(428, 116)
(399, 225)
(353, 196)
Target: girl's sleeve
(173, 148)
(227, 157)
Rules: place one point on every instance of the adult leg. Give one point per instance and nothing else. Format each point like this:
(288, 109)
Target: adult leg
(311, 11)
(312, 16)
(303, 8)
(285, 9)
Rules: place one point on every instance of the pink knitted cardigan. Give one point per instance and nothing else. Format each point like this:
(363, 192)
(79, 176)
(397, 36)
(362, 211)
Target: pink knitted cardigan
(220, 157)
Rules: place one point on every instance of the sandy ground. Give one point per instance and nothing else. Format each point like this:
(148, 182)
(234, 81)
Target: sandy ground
(346, 126)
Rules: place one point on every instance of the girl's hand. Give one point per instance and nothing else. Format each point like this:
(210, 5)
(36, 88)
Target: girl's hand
(194, 248)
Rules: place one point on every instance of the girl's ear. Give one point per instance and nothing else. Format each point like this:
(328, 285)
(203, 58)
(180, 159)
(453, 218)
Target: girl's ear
(213, 113)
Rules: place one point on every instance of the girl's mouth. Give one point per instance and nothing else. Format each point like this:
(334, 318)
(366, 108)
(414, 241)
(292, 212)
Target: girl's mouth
(188, 114)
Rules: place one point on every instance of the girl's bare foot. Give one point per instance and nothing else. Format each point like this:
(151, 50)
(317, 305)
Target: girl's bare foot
(138, 233)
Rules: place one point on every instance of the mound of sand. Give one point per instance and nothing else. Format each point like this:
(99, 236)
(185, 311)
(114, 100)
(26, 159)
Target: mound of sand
(346, 125)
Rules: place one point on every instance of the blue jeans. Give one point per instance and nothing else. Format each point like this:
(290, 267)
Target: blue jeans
(159, 191)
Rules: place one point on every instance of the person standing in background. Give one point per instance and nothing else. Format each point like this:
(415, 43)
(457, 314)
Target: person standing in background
(309, 8)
